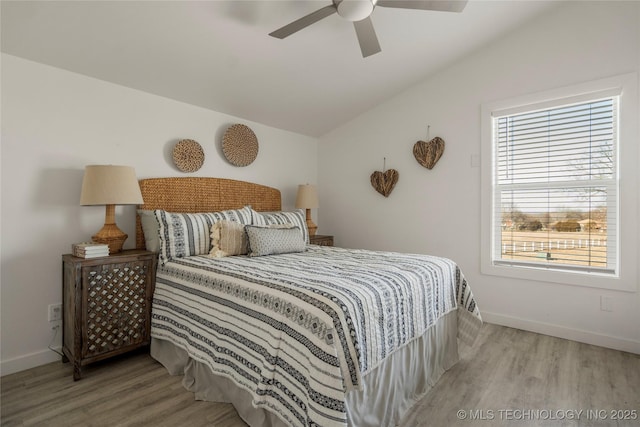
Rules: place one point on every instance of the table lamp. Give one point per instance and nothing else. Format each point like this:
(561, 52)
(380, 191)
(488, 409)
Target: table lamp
(307, 198)
(110, 185)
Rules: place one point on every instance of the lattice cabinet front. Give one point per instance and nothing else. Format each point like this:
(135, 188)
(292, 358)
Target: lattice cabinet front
(116, 306)
(107, 305)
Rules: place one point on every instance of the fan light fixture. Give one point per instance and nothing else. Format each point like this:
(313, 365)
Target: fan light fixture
(355, 10)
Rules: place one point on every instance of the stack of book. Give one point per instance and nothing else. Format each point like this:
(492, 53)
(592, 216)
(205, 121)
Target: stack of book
(90, 249)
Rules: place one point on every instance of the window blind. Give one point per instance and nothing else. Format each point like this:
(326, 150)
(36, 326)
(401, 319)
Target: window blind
(555, 186)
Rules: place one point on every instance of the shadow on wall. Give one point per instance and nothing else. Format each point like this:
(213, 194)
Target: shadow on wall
(59, 216)
(58, 188)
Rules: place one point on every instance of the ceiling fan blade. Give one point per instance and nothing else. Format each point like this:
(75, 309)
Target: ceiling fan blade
(304, 22)
(440, 5)
(367, 37)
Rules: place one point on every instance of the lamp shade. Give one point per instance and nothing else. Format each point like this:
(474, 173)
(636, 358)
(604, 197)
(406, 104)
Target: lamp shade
(307, 197)
(110, 185)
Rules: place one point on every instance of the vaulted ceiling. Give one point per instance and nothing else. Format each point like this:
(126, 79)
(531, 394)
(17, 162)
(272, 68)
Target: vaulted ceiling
(218, 54)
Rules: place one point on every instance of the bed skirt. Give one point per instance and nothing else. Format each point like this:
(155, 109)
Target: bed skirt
(388, 393)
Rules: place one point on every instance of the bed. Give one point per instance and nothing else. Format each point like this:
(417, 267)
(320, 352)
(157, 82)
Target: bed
(320, 336)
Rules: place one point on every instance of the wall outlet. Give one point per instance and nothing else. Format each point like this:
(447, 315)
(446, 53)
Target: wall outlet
(475, 160)
(605, 303)
(55, 312)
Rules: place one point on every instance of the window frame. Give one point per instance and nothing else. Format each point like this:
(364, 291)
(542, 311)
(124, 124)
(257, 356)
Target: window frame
(626, 86)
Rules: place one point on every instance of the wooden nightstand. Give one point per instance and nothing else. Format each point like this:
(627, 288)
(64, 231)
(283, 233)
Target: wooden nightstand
(106, 305)
(321, 240)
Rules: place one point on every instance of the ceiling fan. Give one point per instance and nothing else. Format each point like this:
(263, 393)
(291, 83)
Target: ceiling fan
(359, 12)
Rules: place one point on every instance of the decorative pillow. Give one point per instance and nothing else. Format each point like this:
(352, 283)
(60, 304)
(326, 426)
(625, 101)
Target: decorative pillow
(150, 229)
(273, 241)
(296, 217)
(188, 234)
(228, 238)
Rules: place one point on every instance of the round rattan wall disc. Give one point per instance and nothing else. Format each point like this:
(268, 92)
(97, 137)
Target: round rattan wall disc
(240, 145)
(188, 155)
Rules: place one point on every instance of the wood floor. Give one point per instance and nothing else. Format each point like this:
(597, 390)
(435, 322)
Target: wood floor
(508, 378)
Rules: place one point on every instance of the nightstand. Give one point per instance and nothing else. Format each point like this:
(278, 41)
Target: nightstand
(106, 305)
(321, 240)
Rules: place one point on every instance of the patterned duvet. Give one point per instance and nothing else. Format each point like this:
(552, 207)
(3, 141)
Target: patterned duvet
(298, 331)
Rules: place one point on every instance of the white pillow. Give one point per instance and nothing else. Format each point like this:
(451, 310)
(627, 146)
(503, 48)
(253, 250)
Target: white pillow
(150, 229)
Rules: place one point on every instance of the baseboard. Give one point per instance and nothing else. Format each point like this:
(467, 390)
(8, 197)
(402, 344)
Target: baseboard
(29, 361)
(579, 335)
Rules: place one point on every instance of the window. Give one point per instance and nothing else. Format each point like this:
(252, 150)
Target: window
(555, 188)
(552, 178)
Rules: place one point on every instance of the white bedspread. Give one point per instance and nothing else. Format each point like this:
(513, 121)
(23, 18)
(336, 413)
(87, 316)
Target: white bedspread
(297, 331)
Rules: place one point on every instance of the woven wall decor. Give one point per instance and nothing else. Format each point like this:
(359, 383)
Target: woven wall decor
(428, 153)
(384, 181)
(188, 155)
(240, 145)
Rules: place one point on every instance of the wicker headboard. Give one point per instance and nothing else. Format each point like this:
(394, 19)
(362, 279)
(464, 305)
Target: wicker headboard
(198, 194)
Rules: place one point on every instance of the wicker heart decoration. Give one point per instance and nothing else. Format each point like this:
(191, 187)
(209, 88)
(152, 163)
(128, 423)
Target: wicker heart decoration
(428, 153)
(384, 182)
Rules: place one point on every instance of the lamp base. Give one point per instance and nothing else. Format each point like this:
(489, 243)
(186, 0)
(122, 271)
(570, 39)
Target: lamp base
(111, 235)
(310, 224)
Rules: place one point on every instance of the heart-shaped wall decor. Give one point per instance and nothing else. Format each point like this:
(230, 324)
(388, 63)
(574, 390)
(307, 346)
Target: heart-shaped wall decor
(384, 182)
(428, 153)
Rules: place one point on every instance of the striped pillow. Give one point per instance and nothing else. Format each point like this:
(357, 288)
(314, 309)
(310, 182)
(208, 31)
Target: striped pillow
(188, 234)
(296, 217)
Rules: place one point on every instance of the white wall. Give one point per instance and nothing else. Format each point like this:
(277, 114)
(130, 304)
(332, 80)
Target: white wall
(53, 124)
(438, 211)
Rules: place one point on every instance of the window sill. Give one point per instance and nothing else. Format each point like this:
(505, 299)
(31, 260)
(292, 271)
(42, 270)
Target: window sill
(541, 274)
